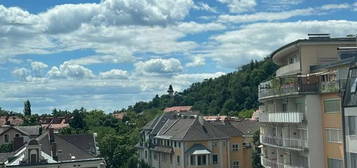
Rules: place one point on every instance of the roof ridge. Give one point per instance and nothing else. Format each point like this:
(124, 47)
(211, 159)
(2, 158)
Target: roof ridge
(171, 125)
(196, 120)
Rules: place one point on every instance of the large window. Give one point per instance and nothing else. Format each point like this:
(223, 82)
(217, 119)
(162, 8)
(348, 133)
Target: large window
(214, 159)
(201, 160)
(334, 163)
(334, 135)
(235, 164)
(193, 160)
(332, 105)
(235, 147)
(352, 127)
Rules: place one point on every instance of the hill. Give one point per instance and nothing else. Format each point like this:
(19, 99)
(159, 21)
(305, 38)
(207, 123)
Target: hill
(231, 93)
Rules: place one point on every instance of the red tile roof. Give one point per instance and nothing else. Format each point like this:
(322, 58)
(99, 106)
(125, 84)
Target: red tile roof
(119, 116)
(14, 120)
(178, 109)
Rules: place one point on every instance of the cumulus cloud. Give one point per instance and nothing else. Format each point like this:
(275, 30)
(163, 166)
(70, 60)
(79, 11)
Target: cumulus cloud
(205, 7)
(70, 71)
(38, 66)
(21, 73)
(114, 74)
(238, 6)
(234, 48)
(159, 66)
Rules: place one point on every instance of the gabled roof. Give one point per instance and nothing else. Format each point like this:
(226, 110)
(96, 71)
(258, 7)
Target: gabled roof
(30, 130)
(178, 109)
(247, 127)
(67, 146)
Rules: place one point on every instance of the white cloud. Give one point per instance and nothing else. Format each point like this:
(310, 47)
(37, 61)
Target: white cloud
(234, 48)
(196, 61)
(159, 66)
(114, 74)
(205, 7)
(21, 73)
(279, 5)
(335, 6)
(264, 16)
(38, 66)
(238, 6)
(70, 71)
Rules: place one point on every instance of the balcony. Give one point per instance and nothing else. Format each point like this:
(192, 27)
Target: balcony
(284, 117)
(287, 143)
(274, 164)
(288, 86)
(332, 86)
(289, 69)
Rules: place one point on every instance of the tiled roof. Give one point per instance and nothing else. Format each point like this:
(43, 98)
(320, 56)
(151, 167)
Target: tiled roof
(178, 109)
(119, 116)
(247, 127)
(14, 120)
(30, 130)
(69, 145)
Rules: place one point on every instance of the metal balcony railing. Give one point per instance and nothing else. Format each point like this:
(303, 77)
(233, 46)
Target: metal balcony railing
(288, 86)
(292, 143)
(283, 117)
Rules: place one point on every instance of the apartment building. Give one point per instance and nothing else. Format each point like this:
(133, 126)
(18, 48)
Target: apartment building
(186, 140)
(301, 106)
(350, 112)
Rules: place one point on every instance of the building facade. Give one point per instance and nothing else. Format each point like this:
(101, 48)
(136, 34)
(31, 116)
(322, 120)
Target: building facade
(301, 119)
(186, 140)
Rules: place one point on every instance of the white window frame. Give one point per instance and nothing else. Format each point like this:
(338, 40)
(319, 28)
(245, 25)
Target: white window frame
(329, 135)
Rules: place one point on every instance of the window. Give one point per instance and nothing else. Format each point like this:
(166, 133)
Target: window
(235, 164)
(353, 159)
(201, 160)
(17, 135)
(6, 138)
(175, 144)
(214, 144)
(155, 156)
(332, 105)
(293, 59)
(193, 160)
(235, 147)
(334, 135)
(214, 159)
(352, 130)
(146, 154)
(354, 86)
(334, 163)
(285, 107)
(179, 144)
(178, 160)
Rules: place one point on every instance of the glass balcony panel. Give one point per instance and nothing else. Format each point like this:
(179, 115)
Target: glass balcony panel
(283, 117)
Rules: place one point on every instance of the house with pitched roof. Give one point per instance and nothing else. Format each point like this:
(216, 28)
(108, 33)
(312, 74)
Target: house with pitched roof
(186, 140)
(52, 150)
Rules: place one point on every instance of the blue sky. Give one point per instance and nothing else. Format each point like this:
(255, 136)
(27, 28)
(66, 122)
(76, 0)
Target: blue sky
(112, 53)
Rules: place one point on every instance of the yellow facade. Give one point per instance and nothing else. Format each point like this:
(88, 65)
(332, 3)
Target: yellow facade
(333, 120)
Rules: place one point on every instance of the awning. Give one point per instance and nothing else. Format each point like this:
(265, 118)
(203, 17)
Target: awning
(201, 152)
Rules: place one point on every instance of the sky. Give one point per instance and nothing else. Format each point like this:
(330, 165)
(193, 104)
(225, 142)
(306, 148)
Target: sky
(110, 54)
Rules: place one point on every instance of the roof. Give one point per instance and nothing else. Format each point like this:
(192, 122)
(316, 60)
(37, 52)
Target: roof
(178, 109)
(198, 149)
(343, 39)
(195, 129)
(14, 120)
(247, 127)
(69, 145)
(30, 130)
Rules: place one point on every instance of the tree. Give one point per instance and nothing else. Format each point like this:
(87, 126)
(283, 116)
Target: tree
(27, 108)
(78, 119)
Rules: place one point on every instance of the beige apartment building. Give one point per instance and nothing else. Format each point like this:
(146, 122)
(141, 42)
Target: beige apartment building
(187, 140)
(301, 119)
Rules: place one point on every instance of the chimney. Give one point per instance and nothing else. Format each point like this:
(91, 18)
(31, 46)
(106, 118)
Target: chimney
(18, 143)
(51, 135)
(54, 151)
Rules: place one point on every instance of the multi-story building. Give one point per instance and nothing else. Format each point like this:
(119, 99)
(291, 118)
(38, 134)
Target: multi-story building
(301, 106)
(350, 112)
(186, 140)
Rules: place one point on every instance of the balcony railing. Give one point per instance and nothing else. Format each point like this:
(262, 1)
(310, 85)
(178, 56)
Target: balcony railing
(288, 69)
(284, 117)
(288, 86)
(274, 164)
(292, 143)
